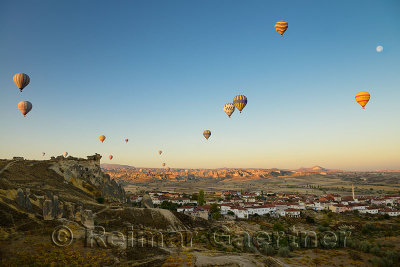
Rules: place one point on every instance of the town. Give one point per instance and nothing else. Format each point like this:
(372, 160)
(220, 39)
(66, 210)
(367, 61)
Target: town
(233, 204)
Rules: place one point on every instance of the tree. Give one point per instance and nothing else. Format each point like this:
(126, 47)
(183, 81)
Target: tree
(215, 211)
(200, 199)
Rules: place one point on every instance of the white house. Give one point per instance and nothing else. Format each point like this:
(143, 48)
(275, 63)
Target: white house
(294, 213)
(389, 212)
(225, 208)
(261, 210)
(241, 212)
(180, 200)
(369, 210)
(185, 209)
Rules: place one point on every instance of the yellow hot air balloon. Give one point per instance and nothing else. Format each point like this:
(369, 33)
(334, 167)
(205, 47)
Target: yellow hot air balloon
(240, 101)
(21, 80)
(207, 134)
(362, 98)
(281, 27)
(102, 138)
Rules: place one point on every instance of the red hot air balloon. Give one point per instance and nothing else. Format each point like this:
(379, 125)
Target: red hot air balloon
(110, 157)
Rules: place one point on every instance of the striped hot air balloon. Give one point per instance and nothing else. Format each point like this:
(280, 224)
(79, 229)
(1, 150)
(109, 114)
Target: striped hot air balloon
(25, 107)
(207, 134)
(281, 27)
(362, 98)
(21, 80)
(240, 101)
(229, 108)
(102, 138)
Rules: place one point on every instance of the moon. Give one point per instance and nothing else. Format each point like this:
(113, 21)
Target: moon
(379, 48)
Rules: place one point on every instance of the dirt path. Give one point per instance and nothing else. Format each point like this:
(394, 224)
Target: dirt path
(6, 167)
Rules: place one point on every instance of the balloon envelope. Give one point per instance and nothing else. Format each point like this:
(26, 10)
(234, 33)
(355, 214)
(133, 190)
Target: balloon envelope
(163, 164)
(65, 154)
(240, 101)
(281, 27)
(207, 134)
(21, 80)
(362, 98)
(110, 157)
(43, 154)
(159, 152)
(102, 138)
(126, 140)
(229, 108)
(379, 48)
(25, 107)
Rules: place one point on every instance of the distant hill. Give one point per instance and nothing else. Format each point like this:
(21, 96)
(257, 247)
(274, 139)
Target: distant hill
(316, 169)
(107, 166)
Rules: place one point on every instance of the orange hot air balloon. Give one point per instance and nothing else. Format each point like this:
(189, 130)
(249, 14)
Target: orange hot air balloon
(21, 80)
(362, 98)
(110, 157)
(102, 138)
(281, 27)
(25, 107)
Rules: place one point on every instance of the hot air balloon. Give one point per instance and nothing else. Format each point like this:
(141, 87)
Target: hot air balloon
(110, 157)
(240, 101)
(25, 107)
(102, 138)
(163, 164)
(207, 134)
(140, 170)
(21, 80)
(126, 140)
(229, 108)
(65, 154)
(43, 154)
(362, 98)
(281, 27)
(159, 152)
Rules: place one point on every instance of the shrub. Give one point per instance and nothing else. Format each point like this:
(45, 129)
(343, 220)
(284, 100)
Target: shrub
(310, 219)
(100, 200)
(393, 255)
(365, 246)
(368, 228)
(375, 250)
(284, 252)
(268, 250)
(278, 227)
(381, 262)
(354, 255)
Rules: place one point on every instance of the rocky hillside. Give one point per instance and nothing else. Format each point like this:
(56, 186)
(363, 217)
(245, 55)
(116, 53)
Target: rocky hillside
(55, 188)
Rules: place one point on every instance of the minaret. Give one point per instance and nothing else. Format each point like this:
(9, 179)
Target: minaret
(352, 190)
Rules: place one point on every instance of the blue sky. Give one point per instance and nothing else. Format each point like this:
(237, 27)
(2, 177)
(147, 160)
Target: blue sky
(159, 72)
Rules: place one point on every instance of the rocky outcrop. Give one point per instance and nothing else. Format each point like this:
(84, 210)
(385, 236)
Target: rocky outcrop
(23, 200)
(87, 174)
(147, 202)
